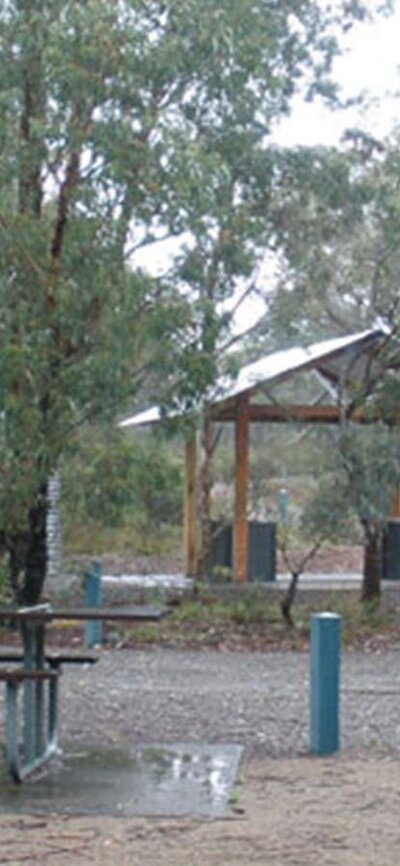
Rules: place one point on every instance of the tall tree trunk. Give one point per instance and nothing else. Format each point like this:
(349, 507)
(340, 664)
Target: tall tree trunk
(36, 556)
(372, 566)
(27, 552)
(289, 597)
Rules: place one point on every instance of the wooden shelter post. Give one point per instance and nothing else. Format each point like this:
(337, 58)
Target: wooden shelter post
(240, 525)
(189, 534)
(395, 509)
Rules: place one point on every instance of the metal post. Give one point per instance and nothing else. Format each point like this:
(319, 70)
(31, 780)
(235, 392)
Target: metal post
(12, 729)
(30, 706)
(93, 628)
(38, 629)
(324, 683)
(52, 731)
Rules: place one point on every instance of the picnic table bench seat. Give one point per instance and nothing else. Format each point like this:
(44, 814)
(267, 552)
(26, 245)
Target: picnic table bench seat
(39, 676)
(54, 660)
(39, 745)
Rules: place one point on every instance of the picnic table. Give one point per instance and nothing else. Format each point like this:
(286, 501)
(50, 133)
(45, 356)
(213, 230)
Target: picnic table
(38, 672)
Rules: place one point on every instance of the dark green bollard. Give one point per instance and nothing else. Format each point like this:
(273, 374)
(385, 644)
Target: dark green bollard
(324, 683)
(93, 628)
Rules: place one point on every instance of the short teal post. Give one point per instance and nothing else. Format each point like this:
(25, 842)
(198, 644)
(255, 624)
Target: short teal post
(93, 627)
(283, 504)
(324, 683)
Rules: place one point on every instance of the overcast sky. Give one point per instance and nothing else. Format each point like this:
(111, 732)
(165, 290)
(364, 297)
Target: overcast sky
(371, 63)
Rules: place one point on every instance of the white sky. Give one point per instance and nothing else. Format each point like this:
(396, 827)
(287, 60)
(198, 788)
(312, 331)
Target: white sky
(370, 63)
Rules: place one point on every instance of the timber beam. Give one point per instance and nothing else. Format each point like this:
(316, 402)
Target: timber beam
(297, 413)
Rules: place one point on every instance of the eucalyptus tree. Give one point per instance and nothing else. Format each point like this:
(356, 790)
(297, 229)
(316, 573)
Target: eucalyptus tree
(227, 180)
(114, 117)
(337, 222)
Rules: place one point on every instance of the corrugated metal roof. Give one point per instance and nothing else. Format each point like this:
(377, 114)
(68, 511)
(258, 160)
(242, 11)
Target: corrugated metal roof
(332, 358)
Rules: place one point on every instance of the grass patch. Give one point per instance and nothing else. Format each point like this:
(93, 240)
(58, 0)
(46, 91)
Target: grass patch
(365, 624)
(248, 621)
(252, 621)
(146, 634)
(93, 539)
(249, 607)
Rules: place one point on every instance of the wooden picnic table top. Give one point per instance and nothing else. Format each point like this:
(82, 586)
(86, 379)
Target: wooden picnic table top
(45, 613)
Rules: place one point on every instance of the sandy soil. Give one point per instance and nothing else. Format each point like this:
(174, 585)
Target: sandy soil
(300, 811)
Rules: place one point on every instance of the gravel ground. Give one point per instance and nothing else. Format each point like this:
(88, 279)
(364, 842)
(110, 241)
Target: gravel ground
(294, 809)
(259, 700)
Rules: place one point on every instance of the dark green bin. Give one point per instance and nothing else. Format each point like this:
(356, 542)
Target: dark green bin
(391, 551)
(221, 547)
(262, 550)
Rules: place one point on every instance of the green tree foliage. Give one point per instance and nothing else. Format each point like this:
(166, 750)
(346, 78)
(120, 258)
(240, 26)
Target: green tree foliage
(111, 480)
(321, 519)
(361, 476)
(114, 117)
(337, 219)
(338, 231)
(369, 474)
(247, 60)
(358, 475)
(226, 179)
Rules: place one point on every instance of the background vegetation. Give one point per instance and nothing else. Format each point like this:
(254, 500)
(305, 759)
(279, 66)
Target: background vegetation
(127, 124)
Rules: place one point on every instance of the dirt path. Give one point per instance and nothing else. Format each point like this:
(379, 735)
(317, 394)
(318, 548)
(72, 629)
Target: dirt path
(300, 811)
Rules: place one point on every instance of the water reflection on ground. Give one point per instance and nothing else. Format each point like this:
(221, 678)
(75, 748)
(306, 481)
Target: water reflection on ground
(193, 779)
